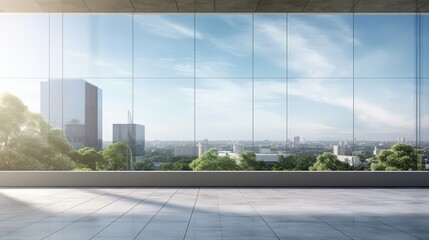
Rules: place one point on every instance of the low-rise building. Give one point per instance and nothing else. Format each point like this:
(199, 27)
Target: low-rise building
(350, 160)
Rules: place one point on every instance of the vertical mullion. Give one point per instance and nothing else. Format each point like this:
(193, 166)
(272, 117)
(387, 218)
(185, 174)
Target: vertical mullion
(353, 83)
(134, 133)
(287, 80)
(62, 81)
(253, 81)
(195, 84)
(49, 88)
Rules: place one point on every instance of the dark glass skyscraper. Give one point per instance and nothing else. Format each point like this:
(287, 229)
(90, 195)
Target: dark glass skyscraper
(133, 134)
(75, 106)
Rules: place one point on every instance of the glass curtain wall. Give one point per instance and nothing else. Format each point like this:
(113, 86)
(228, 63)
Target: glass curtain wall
(183, 92)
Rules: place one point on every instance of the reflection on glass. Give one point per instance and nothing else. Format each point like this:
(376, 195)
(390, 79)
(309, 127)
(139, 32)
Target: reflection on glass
(320, 117)
(424, 119)
(164, 45)
(270, 110)
(178, 92)
(165, 106)
(97, 45)
(24, 45)
(384, 45)
(73, 105)
(55, 25)
(424, 45)
(270, 122)
(25, 134)
(384, 109)
(321, 109)
(223, 45)
(115, 109)
(320, 45)
(224, 109)
(269, 45)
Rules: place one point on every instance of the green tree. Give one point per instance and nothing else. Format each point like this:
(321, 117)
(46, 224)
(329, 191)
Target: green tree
(284, 163)
(28, 142)
(210, 161)
(144, 165)
(400, 157)
(327, 162)
(304, 161)
(88, 158)
(116, 156)
(180, 165)
(301, 161)
(247, 161)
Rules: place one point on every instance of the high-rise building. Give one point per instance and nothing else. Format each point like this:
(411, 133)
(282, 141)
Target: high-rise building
(75, 106)
(350, 160)
(133, 135)
(236, 147)
(201, 149)
(339, 150)
(376, 150)
(401, 139)
(297, 140)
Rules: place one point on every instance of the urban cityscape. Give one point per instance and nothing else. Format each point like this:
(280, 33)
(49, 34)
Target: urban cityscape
(186, 89)
(78, 111)
(214, 119)
(82, 120)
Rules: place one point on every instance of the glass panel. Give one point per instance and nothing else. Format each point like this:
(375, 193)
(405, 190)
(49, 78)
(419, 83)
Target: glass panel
(224, 45)
(224, 111)
(166, 107)
(385, 45)
(270, 113)
(320, 45)
(270, 45)
(114, 104)
(321, 115)
(80, 79)
(55, 46)
(424, 45)
(97, 45)
(86, 110)
(24, 130)
(24, 45)
(424, 97)
(424, 131)
(164, 45)
(384, 113)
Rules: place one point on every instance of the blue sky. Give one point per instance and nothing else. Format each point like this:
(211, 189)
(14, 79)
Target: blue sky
(314, 52)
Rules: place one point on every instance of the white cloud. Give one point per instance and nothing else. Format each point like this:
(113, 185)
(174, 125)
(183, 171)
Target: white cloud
(162, 26)
(84, 64)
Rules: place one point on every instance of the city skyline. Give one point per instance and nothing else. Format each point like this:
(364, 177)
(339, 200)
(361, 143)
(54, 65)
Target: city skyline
(329, 93)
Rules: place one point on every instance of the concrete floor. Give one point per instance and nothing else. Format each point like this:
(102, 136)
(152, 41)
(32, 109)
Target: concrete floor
(213, 213)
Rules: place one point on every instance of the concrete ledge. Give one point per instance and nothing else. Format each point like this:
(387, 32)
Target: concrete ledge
(214, 179)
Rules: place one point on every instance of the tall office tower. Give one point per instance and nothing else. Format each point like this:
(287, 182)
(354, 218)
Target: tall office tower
(133, 135)
(75, 106)
(401, 139)
(339, 150)
(297, 140)
(376, 151)
(236, 147)
(201, 149)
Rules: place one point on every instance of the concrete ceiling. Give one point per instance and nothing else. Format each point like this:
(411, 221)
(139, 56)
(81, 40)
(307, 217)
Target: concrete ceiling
(218, 6)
